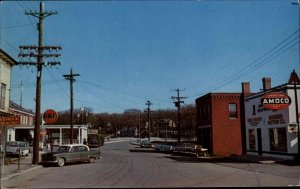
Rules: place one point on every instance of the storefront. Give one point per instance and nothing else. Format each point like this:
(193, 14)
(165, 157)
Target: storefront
(272, 131)
(58, 134)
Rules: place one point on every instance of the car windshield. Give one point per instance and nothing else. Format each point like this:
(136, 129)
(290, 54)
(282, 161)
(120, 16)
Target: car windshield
(64, 149)
(13, 144)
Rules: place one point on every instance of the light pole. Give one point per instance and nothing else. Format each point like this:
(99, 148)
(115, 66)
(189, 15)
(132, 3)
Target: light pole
(295, 88)
(82, 112)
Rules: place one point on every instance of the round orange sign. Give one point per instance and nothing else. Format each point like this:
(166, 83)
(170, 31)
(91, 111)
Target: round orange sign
(50, 116)
(276, 101)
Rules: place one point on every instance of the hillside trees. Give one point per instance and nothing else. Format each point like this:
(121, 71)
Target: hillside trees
(131, 121)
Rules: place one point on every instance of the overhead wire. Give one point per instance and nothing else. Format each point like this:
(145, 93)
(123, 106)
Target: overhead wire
(258, 62)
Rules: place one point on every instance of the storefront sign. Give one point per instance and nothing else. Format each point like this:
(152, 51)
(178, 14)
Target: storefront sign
(50, 116)
(276, 119)
(8, 121)
(254, 121)
(92, 131)
(275, 101)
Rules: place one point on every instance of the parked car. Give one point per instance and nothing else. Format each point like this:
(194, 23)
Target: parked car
(71, 153)
(15, 148)
(164, 147)
(146, 144)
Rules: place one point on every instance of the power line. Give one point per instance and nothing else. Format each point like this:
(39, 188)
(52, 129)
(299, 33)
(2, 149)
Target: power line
(274, 52)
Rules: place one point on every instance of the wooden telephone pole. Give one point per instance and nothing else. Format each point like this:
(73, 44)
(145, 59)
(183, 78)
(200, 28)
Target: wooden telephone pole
(148, 110)
(37, 52)
(177, 101)
(72, 79)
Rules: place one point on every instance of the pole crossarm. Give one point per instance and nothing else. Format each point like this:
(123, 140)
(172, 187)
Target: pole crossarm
(40, 14)
(35, 63)
(34, 47)
(39, 55)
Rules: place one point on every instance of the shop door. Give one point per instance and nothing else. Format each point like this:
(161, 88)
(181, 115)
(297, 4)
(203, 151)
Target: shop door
(259, 142)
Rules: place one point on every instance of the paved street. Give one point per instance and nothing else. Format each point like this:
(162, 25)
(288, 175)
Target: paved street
(124, 165)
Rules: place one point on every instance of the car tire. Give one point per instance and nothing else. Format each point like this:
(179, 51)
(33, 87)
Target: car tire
(92, 160)
(61, 162)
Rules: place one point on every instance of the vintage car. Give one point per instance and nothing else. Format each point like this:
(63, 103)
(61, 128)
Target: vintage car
(165, 146)
(71, 153)
(16, 148)
(146, 144)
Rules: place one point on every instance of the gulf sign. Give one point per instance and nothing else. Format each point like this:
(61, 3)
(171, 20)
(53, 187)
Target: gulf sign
(50, 116)
(275, 101)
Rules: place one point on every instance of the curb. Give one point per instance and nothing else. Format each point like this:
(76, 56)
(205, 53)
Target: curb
(19, 172)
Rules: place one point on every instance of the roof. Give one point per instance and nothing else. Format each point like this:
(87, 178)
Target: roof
(71, 145)
(225, 95)
(279, 88)
(7, 58)
(18, 107)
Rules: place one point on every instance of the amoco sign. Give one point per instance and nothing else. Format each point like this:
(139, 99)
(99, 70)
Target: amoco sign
(275, 101)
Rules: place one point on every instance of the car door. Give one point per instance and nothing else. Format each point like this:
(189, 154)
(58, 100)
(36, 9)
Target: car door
(75, 153)
(83, 153)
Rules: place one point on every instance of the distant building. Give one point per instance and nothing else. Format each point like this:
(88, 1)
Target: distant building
(272, 132)
(6, 64)
(219, 123)
(17, 132)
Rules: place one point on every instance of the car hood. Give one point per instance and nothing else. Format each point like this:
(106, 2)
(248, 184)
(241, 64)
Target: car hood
(52, 153)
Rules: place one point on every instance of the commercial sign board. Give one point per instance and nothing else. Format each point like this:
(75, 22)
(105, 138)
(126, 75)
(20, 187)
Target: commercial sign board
(276, 101)
(50, 116)
(92, 131)
(10, 120)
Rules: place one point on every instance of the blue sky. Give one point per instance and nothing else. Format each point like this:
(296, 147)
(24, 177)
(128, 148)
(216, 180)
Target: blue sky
(128, 52)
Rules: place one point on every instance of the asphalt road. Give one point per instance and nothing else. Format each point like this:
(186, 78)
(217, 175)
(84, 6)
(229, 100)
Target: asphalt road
(127, 166)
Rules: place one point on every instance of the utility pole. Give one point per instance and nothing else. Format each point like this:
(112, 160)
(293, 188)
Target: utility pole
(148, 110)
(37, 52)
(295, 88)
(177, 101)
(21, 96)
(72, 79)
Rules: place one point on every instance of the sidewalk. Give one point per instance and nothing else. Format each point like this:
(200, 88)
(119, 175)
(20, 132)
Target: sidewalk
(14, 169)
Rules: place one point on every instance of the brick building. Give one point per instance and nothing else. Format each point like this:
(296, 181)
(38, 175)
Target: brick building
(219, 123)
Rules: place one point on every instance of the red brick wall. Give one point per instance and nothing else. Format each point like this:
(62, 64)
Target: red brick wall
(226, 132)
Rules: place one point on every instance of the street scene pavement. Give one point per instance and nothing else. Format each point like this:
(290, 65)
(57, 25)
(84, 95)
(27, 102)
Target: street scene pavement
(16, 167)
(258, 165)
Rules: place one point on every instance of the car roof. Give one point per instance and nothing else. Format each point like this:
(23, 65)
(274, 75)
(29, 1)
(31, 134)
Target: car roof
(16, 142)
(71, 145)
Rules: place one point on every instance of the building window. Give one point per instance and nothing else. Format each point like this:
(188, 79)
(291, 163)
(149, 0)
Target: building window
(252, 144)
(278, 140)
(208, 112)
(253, 110)
(3, 92)
(200, 113)
(233, 111)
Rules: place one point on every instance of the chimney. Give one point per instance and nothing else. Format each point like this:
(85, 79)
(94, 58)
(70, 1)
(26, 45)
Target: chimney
(266, 83)
(246, 88)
